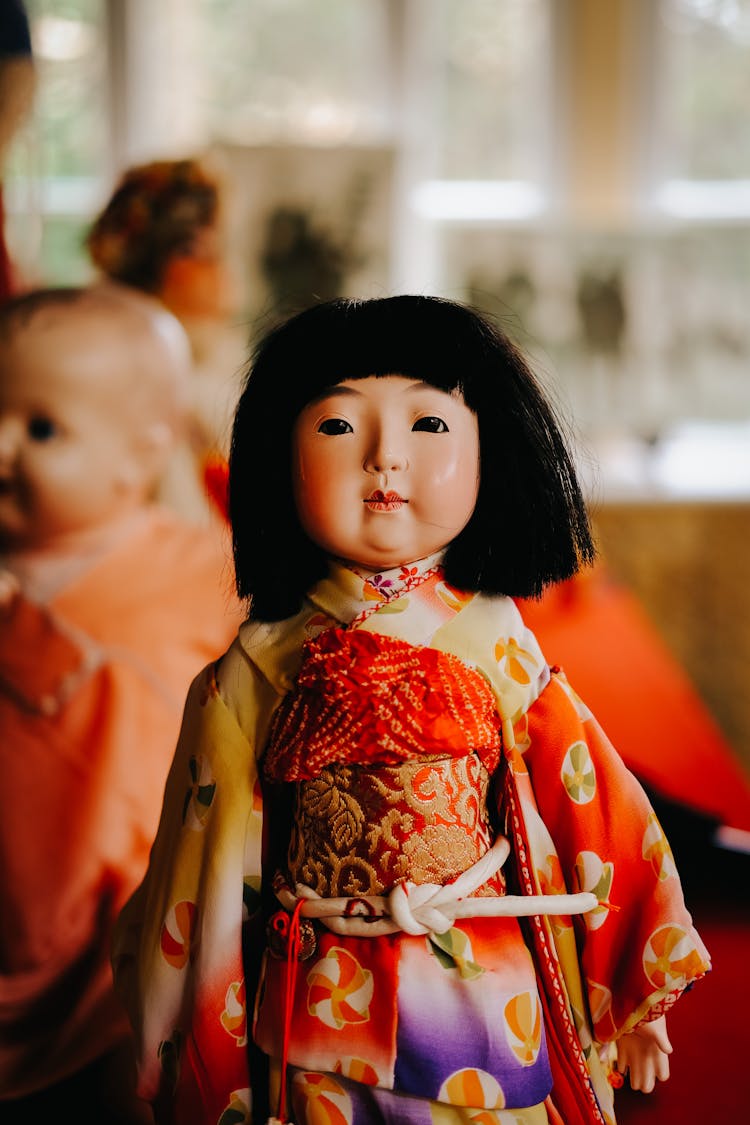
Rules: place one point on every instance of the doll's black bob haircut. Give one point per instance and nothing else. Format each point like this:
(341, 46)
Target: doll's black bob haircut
(530, 526)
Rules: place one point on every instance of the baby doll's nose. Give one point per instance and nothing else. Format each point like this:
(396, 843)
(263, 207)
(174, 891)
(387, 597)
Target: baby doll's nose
(8, 440)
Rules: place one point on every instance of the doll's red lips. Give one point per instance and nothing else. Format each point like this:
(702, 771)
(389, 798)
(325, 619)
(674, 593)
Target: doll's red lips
(379, 497)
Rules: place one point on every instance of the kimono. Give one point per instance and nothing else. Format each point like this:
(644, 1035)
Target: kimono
(92, 687)
(329, 908)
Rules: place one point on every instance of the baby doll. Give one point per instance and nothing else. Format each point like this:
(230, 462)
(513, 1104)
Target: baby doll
(108, 607)
(400, 875)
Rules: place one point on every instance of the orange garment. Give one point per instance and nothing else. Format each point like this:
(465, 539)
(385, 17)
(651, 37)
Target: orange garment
(92, 688)
(598, 631)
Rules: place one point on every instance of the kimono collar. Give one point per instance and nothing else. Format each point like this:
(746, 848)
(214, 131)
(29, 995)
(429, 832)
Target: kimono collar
(350, 594)
(378, 600)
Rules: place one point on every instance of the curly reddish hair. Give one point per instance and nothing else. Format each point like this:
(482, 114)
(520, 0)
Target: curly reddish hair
(154, 213)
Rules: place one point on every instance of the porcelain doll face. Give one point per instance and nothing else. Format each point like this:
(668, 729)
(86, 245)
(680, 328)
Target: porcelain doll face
(75, 404)
(385, 469)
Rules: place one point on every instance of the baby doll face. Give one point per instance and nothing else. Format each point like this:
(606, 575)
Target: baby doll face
(66, 438)
(385, 469)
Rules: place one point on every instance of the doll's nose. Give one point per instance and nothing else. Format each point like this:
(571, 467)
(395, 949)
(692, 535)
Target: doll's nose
(385, 452)
(385, 461)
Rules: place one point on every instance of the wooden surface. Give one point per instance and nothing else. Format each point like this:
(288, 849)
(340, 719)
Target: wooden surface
(689, 564)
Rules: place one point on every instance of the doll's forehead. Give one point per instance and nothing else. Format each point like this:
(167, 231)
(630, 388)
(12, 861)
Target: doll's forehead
(382, 385)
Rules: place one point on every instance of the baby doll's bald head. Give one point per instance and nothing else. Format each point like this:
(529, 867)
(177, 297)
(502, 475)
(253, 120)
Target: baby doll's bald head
(119, 347)
(93, 395)
(125, 343)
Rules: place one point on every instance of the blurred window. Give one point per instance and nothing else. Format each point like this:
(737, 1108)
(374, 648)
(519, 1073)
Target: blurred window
(479, 82)
(702, 93)
(294, 71)
(492, 102)
(327, 71)
(56, 168)
(464, 90)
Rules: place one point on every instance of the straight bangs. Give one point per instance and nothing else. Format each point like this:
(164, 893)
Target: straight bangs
(423, 338)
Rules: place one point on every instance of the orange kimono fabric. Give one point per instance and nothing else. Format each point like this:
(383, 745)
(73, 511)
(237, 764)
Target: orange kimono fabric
(92, 687)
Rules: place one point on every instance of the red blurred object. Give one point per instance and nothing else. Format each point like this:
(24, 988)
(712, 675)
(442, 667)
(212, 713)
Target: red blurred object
(617, 662)
(216, 480)
(6, 269)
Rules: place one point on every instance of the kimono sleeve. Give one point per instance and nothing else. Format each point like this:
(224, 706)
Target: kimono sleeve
(177, 954)
(638, 949)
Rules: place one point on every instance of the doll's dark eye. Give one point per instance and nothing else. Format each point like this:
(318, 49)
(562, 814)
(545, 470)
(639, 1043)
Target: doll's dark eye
(431, 424)
(333, 426)
(41, 428)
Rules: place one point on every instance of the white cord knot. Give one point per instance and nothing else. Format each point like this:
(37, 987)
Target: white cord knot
(427, 908)
(410, 908)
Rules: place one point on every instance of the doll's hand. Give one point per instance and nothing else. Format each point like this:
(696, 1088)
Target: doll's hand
(9, 588)
(644, 1054)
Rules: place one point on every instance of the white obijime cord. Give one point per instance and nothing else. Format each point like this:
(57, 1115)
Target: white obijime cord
(425, 908)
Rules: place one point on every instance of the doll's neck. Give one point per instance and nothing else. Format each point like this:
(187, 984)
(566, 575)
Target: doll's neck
(45, 569)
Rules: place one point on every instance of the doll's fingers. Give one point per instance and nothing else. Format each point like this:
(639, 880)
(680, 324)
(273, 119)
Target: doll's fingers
(662, 1067)
(650, 1071)
(658, 1029)
(646, 1082)
(645, 1070)
(644, 1053)
(642, 1075)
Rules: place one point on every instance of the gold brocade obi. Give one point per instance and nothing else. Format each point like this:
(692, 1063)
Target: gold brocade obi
(358, 830)
(390, 748)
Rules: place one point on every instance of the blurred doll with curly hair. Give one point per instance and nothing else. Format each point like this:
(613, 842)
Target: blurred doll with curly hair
(161, 232)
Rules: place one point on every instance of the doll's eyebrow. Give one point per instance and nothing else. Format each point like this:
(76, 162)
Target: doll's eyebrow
(332, 391)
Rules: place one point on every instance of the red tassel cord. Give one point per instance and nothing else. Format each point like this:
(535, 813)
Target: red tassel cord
(292, 963)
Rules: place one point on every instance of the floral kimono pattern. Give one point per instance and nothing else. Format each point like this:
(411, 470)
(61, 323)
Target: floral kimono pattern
(501, 1020)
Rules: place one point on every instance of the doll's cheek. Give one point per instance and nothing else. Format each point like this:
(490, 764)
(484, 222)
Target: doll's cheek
(299, 474)
(313, 497)
(456, 482)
